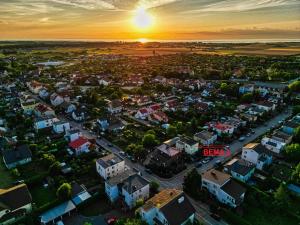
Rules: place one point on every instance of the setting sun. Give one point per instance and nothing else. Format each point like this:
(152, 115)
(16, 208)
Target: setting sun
(142, 19)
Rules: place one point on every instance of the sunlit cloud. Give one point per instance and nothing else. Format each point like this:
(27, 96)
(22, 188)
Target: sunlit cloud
(239, 6)
(87, 4)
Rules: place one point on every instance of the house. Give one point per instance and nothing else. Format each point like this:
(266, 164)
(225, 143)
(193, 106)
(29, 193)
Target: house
(28, 105)
(273, 144)
(110, 166)
(239, 169)
(205, 137)
(79, 193)
(19, 156)
(44, 122)
(112, 124)
(104, 81)
(158, 117)
(257, 154)
(135, 188)
(290, 127)
(266, 106)
(282, 137)
(56, 99)
(221, 128)
(72, 135)
(67, 107)
(170, 206)
(246, 89)
(142, 114)
(78, 115)
(61, 127)
(43, 110)
(114, 106)
(44, 93)
(15, 202)
(171, 105)
(223, 187)
(34, 86)
(188, 145)
(80, 145)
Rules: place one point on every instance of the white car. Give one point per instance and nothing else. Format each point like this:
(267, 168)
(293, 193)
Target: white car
(60, 223)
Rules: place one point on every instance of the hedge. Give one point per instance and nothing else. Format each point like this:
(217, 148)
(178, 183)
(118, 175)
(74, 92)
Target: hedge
(232, 218)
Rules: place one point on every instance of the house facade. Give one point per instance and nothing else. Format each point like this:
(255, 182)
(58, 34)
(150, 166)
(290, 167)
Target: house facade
(188, 145)
(257, 154)
(205, 137)
(110, 166)
(61, 127)
(80, 145)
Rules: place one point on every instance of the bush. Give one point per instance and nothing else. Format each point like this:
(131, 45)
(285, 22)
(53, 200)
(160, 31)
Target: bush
(233, 218)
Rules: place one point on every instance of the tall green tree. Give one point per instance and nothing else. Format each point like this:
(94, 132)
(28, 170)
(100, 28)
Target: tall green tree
(64, 191)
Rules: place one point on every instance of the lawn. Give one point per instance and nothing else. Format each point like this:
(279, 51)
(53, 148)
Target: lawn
(256, 216)
(41, 195)
(281, 172)
(6, 178)
(96, 208)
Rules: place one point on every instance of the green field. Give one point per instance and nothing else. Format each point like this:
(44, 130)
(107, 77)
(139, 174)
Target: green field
(6, 178)
(41, 195)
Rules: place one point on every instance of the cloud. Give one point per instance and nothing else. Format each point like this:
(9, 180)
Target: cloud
(87, 4)
(245, 5)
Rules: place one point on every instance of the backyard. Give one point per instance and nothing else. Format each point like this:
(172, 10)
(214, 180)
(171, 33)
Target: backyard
(6, 178)
(41, 195)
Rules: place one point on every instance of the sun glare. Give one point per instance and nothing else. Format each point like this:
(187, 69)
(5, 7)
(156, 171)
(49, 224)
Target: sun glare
(142, 19)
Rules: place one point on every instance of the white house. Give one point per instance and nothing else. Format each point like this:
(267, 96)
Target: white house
(80, 145)
(78, 115)
(257, 154)
(273, 144)
(43, 110)
(135, 188)
(43, 93)
(205, 137)
(225, 189)
(170, 206)
(110, 166)
(266, 106)
(19, 156)
(114, 106)
(15, 203)
(142, 114)
(61, 126)
(282, 137)
(56, 99)
(222, 128)
(44, 122)
(72, 135)
(188, 145)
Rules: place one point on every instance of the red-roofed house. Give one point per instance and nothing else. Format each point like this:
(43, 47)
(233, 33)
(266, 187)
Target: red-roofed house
(158, 117)
(222, 128)
(155, 107)
(80, 145)
(142, 113)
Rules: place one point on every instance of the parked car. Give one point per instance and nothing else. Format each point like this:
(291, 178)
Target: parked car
(206, 160)
(18, 182)
(148, 171)
(216, 216)
(248, 135)
(198, 164)
(242, 138)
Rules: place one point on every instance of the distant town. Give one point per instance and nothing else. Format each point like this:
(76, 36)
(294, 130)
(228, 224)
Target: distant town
(99, 133)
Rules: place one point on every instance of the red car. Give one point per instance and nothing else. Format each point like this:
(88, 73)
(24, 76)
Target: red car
(111, 220)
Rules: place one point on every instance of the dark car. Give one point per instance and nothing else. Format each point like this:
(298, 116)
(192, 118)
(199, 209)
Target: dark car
(148, 171)
(109, 145)
(216, 216)
(198, 165)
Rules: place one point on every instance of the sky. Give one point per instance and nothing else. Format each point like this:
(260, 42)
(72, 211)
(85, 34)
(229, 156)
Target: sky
(169, 19)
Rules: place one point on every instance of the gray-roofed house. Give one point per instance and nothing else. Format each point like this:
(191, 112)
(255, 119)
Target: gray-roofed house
(240, 169)
(135, 188)
(170, 206)
(205, 137)
(15, 202)
(110, 166)
(223, 187)
(188, 145)
(18, 156)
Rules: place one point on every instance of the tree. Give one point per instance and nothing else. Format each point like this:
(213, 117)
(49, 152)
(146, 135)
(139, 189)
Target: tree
(247, 98)
(192, 183)
(130, 221)
(296, 174)
(48, 159)
(171, 131)
(295, 86)
(154, 186)
(296, 137)
(281, 197)
(64, 191)
(292, 152)
(55, 168)
(149, 140)
(296, 109)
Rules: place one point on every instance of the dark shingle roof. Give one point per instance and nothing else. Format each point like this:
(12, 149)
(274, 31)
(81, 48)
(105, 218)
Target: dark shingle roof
(15, 197)
(234, 189)
(20, 153)
(178, 210)
(134, 183)
(241, 167)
